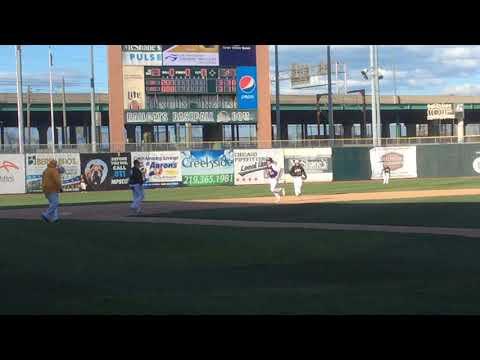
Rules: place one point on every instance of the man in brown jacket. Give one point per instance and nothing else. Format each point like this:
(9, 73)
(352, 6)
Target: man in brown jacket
(51, 185)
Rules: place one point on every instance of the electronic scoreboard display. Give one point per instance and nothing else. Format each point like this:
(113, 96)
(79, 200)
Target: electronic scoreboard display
(190, 80)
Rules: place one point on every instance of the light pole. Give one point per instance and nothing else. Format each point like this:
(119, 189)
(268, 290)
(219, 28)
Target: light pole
(376, 121)
(52, 121)
(277, 95)
(395, 101)
(330, 102)
(319, 112)
(93, 139)
(19, 98)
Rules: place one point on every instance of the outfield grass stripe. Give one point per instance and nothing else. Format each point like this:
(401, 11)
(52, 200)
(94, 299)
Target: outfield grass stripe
(466, 232)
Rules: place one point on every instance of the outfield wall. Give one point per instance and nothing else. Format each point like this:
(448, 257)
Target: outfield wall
(22, 173)
(351, 164)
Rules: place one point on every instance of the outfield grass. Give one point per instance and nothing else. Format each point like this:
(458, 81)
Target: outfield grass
(218, 192)
(442, 214)
(119, 268)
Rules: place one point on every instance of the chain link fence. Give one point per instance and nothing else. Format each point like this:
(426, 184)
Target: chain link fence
(219, 145)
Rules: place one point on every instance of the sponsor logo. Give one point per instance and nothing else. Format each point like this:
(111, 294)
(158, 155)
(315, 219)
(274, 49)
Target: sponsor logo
(247, 84)
(476, 165)
(33, 160)
(171, 57)
(206, 162)
(393, 160)
(8, 165)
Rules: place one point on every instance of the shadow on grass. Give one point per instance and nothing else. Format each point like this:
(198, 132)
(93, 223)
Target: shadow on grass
(441, 214)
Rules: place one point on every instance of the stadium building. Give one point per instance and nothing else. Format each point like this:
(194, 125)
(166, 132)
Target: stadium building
(212, 93)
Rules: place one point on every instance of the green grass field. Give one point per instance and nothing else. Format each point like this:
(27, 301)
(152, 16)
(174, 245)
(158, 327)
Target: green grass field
(119, 268)
(218, 192)
(85, 267)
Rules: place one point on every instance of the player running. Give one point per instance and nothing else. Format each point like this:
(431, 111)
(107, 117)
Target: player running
(136, 184)
(272, 173)
(298, 174)
(386, 174)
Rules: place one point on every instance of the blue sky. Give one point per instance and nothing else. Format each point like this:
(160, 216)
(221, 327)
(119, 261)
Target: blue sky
(428, 70)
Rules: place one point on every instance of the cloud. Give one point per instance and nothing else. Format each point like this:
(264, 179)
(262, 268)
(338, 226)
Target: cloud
(464, 89)
(40, 81)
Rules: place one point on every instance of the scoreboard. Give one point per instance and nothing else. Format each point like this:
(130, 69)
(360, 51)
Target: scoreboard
(190, 80)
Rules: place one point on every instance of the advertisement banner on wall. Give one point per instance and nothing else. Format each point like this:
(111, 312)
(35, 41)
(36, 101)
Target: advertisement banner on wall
(142, 48)
(191, 116)
(207, 167)
(142, 58)
(37, 163)
(402, 161)
(161, 168)
(133, 88)
(250, 165)
(106, 171)
(12, 174)
(238, 55)
(317, 163)
(195, 55)
(247, 87)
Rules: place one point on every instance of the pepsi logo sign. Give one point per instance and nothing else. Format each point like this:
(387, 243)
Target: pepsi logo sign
(247, 84)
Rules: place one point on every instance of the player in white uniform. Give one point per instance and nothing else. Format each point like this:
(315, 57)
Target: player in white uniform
(386, 174)
(298, 174)
(272, 172)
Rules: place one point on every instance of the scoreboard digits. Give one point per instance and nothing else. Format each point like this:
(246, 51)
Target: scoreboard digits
(190, 80)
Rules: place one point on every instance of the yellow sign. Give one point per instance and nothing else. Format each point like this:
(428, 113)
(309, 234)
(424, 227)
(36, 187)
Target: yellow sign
(133, 88)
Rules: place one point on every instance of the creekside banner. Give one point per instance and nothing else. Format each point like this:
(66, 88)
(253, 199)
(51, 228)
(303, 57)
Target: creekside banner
(12, 174)
(250, 165)
(106, 171)
(402, 161)
(37, 163)
(317, 163)
(161, 168)
(207, 167)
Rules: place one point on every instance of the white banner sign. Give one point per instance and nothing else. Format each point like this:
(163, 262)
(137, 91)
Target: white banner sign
(194, 55)
(37, 163)
(317, 163)
(440, 111)
(250, 165)
(402, 161)
(142, 58)
(12, 174)
(161, 167)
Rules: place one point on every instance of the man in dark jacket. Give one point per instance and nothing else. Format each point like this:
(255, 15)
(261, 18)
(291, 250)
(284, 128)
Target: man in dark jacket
(298, 174)
(136, 184)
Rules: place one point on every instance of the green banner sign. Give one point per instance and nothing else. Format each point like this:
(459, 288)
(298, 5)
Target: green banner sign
(201, 180)
(190, 116)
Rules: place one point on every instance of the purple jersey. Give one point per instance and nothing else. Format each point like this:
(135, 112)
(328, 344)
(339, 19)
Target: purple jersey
(271, 172)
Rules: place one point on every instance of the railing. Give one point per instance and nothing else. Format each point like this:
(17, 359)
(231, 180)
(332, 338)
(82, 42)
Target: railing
(212, 145)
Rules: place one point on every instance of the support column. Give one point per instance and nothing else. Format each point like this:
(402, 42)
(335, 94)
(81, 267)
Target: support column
(264, 106)
(130, 133)
(411, 129)
(42, 135)
(72, 134)
(385, 129)
(55, 132)
(147, 133)
(115, 96)
(460, 130)
(433, 128)
(347, 130)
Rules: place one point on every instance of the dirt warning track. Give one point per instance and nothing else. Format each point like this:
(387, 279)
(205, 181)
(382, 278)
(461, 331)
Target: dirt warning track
(119, 212)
